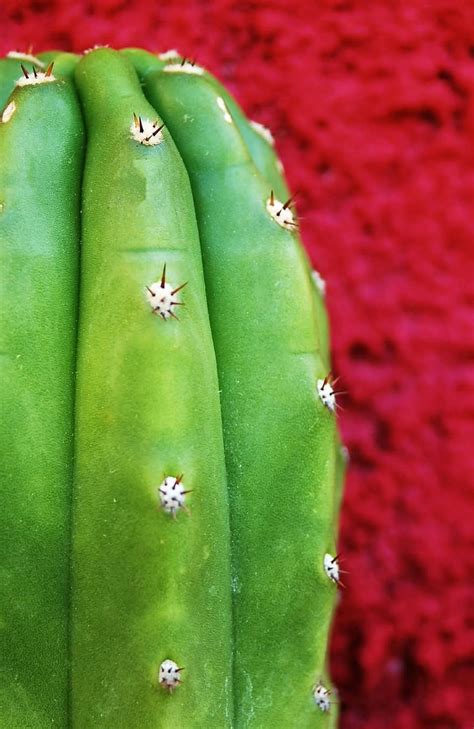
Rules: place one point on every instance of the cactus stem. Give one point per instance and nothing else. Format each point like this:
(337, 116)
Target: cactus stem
(145, 131)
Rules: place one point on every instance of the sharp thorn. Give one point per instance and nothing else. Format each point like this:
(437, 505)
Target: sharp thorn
(25, 72)
(163, 277)
(49, 70)
(175, 291)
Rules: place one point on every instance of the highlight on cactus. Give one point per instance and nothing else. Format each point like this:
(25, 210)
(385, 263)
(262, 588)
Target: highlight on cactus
(132, 183)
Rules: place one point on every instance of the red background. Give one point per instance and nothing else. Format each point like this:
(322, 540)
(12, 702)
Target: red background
(371, 103)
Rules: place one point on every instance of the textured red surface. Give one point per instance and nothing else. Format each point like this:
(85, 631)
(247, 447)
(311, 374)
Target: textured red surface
(372, 106)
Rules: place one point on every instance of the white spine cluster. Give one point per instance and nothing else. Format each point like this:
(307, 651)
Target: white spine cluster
(225, 111)
(331, 568)
(35, 78)
(281, 213)
(327, 394)
(321, 697)
(172, 494)
(8, 112)
(320, 282)
(168, 674)
(264, 132)
(169, 55)
(95, 48)
(183, 67)
(27, 57)
(147, 132)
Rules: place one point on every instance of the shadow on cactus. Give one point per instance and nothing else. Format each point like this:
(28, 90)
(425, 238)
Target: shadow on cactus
(171, 465)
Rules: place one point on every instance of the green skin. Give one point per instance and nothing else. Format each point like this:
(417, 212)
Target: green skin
(280, 505)
(145, 587)
(41, 149)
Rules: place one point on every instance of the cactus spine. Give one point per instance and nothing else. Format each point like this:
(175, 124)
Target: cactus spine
(203, 498)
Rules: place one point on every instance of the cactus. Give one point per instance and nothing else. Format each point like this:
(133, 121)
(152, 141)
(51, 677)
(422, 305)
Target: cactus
(172, 466)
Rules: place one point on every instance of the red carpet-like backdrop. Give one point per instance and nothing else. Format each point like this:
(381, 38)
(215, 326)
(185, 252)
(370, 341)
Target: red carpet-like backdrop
(372, 106)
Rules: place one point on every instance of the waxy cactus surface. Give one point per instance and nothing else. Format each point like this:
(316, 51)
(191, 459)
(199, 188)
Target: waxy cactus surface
(171, 469)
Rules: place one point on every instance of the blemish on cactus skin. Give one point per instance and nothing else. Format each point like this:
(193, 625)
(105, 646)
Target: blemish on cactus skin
(172, 494)
(34, 77)
(320, 282)
(332, 569)
(27, 57)
(145, 131)
(224, 109)
(162, 297)
(8, 112)
(168, 675)
(281, 212)
(264, 132)
(321, 697)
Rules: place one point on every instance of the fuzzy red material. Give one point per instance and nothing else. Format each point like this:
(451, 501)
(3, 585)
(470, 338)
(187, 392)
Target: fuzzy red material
(371, 103)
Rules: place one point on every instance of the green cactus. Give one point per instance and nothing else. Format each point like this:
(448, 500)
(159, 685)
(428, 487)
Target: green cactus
(171, 460)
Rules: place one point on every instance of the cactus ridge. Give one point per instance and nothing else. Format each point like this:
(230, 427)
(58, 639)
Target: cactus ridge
(170, 408)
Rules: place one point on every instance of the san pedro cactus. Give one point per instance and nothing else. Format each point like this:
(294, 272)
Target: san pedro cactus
(171, 469)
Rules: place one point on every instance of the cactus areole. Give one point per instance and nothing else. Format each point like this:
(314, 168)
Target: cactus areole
(171, 469)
